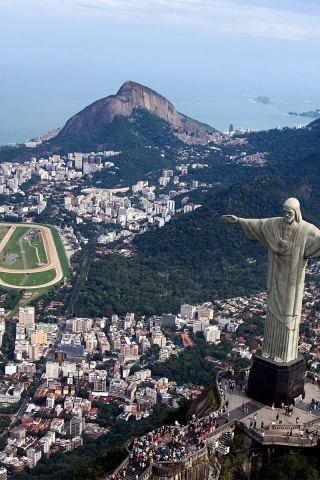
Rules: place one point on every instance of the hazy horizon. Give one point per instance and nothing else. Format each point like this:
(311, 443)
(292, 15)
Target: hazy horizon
(58, 56)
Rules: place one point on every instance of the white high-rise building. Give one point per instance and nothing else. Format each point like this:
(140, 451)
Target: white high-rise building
(81, 324)
(52, 370)
(171, 204)
(34, 352)
(50, 400)
(212, 334)
(26, 316)
(200, 325)
(187, 310)
(68, 367)
(78, 161)
(34, 455)
(2, 324)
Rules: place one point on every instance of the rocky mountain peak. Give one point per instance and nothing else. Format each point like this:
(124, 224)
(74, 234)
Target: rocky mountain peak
(131, 96)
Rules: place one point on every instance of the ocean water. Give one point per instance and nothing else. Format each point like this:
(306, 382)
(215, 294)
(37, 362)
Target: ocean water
(242, 112)
(23, 117)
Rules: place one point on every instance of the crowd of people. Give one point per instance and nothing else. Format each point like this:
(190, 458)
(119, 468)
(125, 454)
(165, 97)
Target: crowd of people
(168, 443)
(174, 443)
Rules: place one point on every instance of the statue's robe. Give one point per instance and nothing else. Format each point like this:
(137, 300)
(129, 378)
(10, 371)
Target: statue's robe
(287, 258)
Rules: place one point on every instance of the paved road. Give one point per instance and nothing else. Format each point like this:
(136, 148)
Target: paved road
(23, 253)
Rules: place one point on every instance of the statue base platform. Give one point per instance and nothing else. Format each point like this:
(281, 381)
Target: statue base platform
(275, 382)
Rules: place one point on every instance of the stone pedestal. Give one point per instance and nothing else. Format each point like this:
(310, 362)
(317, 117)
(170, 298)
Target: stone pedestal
(274, 382)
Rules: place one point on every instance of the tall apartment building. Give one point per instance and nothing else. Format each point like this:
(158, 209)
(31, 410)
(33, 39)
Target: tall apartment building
(205, 313)
(168, 320)
(100, 384)
(159, 339)
(52, 370)
(68, 368)
(38, 337)
(2, 324)
(34, 352)
(26, 316)
(34, 455)
(212, 334)
(128, 321)
(78, 161)
(76, 426)
(91, 341)
(187, 310)
(50, 400)
(46, 441)
(80, 325)
(200, 325)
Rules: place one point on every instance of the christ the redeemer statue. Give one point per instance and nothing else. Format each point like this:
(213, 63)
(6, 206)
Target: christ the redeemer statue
(290, 242)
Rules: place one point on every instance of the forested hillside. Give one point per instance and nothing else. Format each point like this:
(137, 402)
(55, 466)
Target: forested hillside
(196, 257)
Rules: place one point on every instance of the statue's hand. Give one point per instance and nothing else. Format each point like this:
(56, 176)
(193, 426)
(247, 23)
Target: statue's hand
(229, 218)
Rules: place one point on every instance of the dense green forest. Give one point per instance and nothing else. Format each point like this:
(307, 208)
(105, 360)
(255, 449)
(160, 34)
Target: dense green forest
(196, 257)
(10, 298)
(191, 366)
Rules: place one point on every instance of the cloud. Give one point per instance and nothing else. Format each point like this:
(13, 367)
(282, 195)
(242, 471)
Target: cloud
(250, 18)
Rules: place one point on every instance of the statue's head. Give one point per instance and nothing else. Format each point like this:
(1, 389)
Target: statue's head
(292, 205)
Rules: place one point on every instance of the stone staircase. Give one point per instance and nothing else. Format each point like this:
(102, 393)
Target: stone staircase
(132, 471)
(221, 445)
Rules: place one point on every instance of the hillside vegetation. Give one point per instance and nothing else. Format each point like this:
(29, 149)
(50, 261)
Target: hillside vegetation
(196, 257)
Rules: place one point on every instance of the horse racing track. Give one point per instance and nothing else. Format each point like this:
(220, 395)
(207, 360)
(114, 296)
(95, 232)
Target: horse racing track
(29, 256)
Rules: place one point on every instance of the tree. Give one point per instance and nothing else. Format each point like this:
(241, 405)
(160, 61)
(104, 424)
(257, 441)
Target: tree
(292, 467)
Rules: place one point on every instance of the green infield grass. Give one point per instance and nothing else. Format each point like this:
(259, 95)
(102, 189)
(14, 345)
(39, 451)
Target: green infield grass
(12, 250)
(34, 250)
(17, 279)
(12, 278)
(40, 278)
(37, 243)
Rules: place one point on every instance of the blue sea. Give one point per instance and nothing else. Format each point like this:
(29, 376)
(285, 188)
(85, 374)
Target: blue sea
(243, 112)
(23, 117)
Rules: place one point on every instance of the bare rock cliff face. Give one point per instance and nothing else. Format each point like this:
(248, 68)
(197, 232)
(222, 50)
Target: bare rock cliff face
(130, 97)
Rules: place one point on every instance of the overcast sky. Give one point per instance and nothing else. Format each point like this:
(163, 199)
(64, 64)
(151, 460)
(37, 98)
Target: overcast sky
(85, 49)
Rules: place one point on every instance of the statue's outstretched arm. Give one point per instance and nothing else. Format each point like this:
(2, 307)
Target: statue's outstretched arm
(230, 218)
